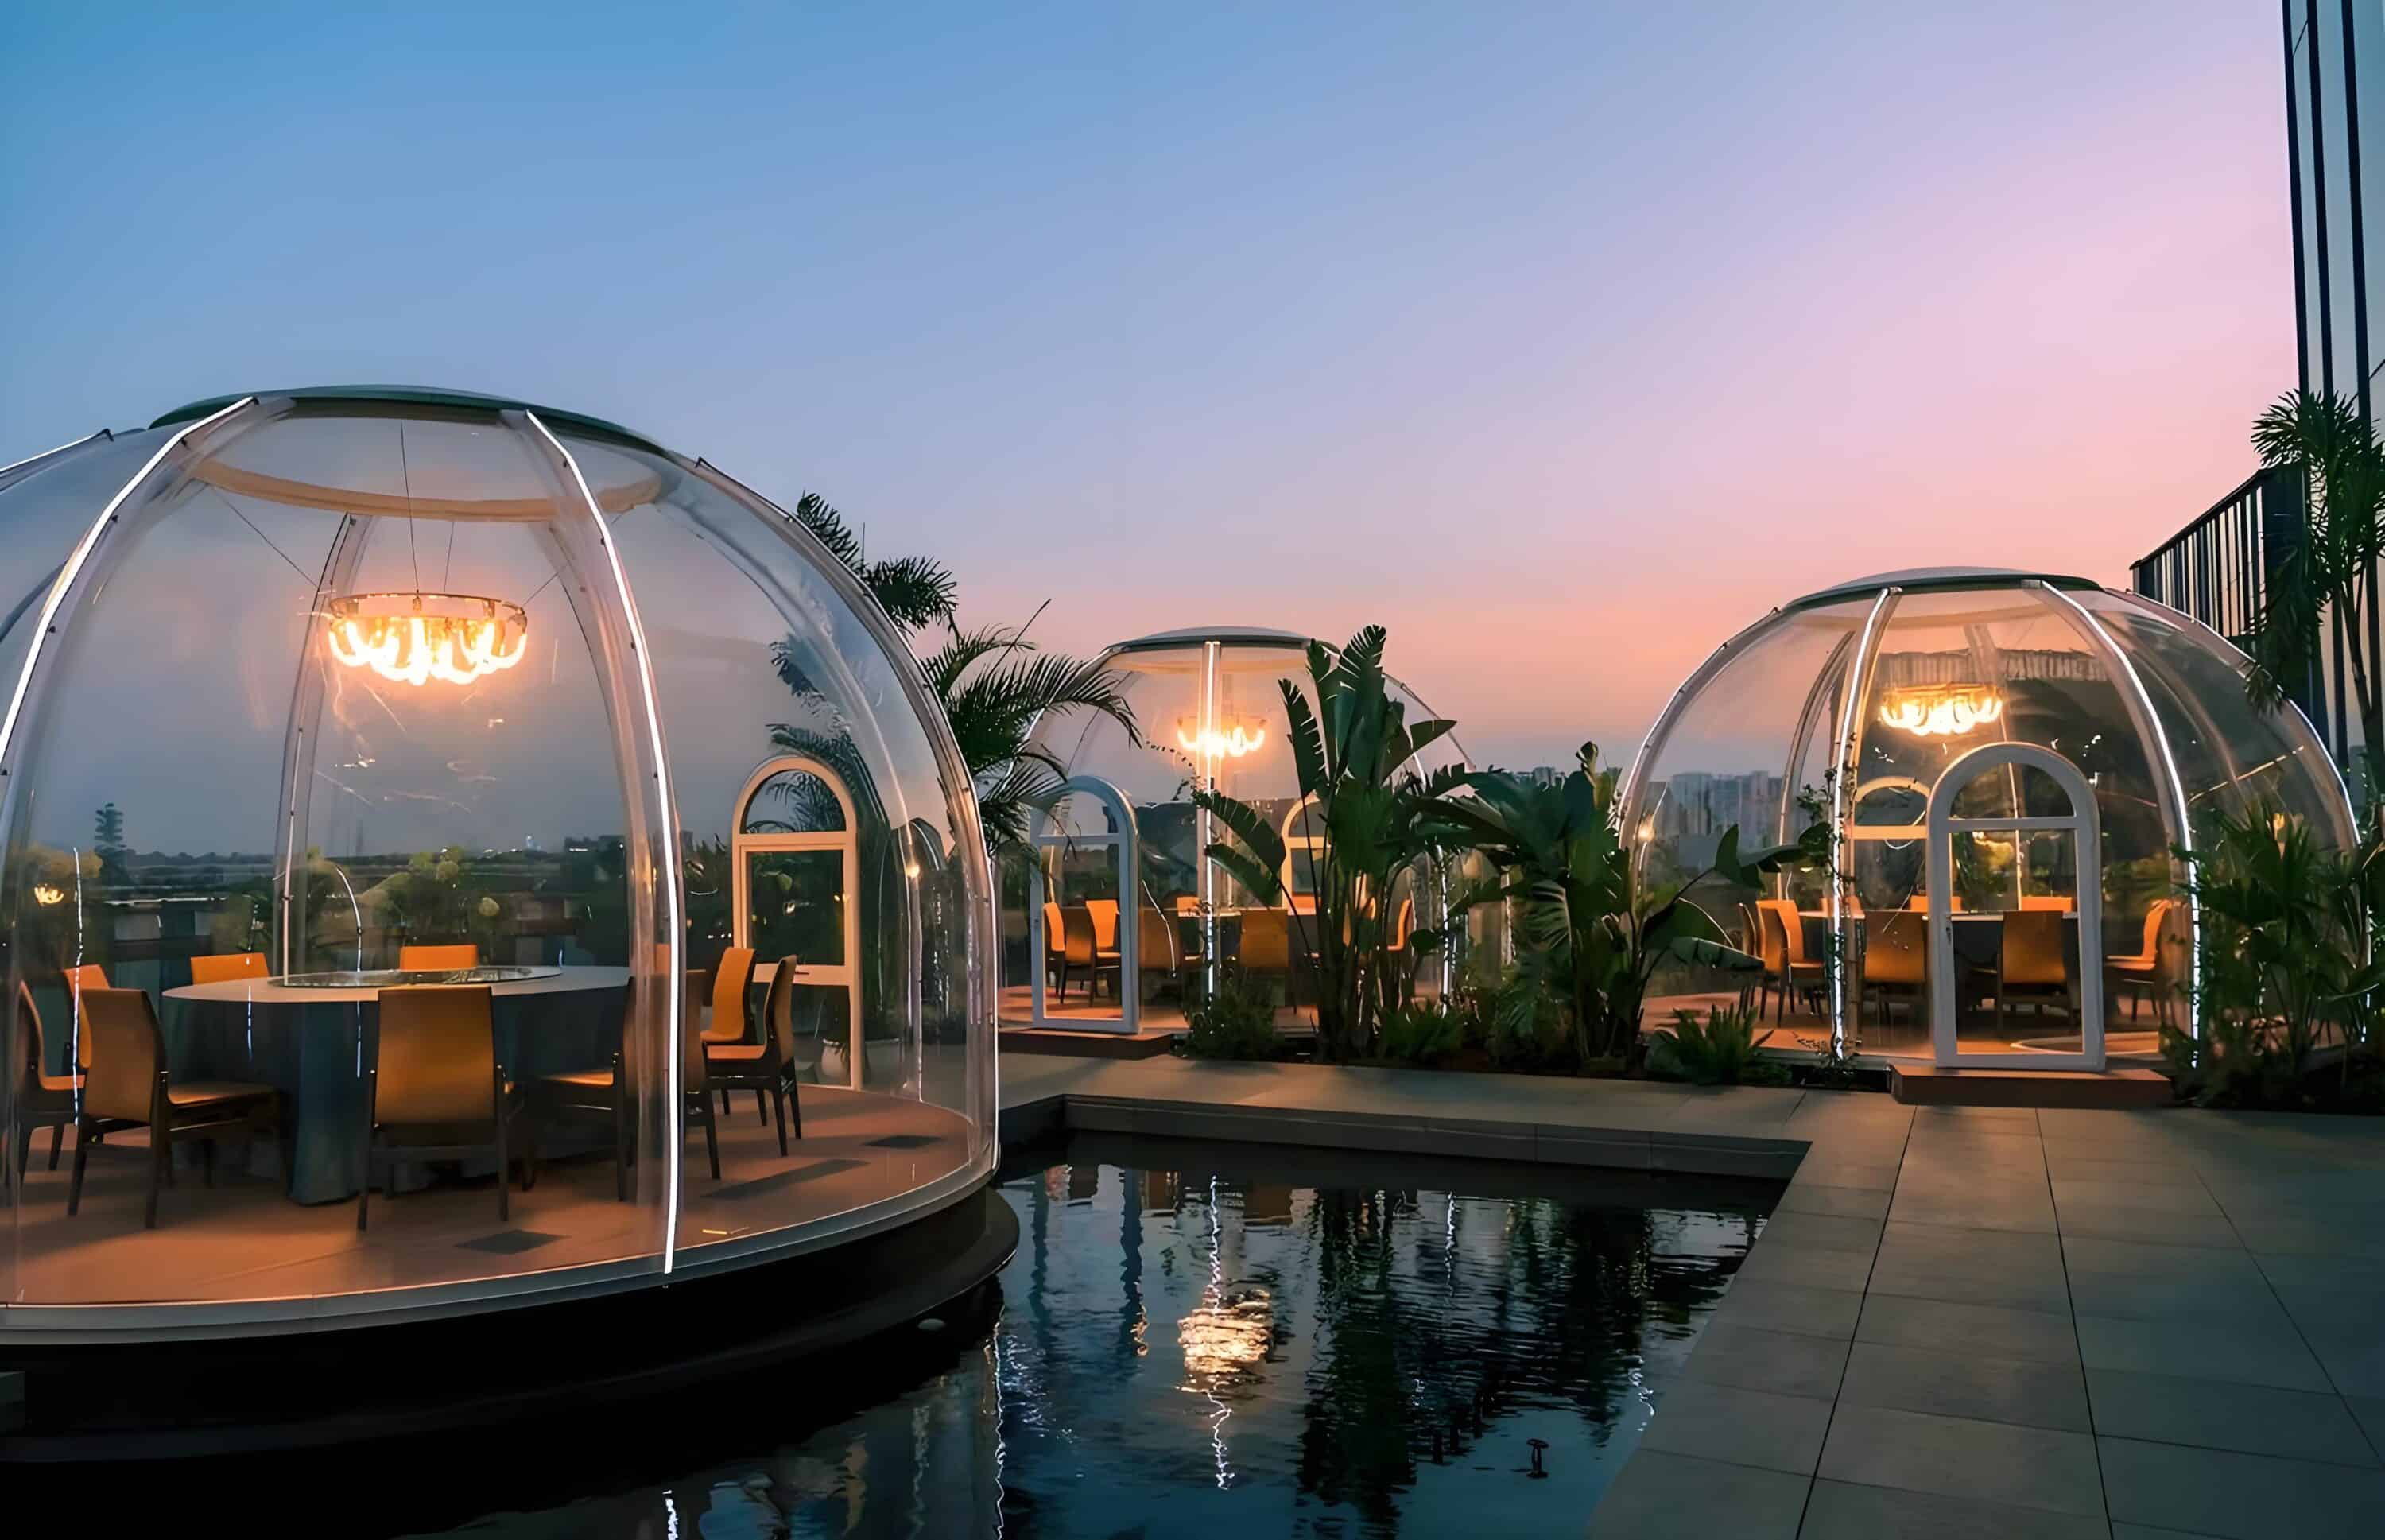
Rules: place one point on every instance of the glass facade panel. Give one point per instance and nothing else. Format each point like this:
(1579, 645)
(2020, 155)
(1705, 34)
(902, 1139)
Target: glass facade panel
(797, 736)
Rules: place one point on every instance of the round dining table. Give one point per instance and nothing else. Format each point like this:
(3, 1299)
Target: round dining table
(312, 1039)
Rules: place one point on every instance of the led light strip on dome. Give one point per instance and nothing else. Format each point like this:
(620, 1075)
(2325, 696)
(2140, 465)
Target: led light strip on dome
(675, 976)
(72, 568)
(2178, 796)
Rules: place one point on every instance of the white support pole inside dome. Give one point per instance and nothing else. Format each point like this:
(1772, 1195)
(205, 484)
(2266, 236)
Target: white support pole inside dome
(301, 737)
(1844, 769)
(664, 841)
(2170, 787)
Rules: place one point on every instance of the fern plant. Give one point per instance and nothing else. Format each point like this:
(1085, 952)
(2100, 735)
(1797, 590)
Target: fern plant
(1720, 1050)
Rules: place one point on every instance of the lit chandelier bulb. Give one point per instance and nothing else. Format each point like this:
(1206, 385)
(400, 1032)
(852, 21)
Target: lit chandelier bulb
(454, 638)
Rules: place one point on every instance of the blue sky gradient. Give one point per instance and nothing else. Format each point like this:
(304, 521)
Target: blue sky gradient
(1564, 339)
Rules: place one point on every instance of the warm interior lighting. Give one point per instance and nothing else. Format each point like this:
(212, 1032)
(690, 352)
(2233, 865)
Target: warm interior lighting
(1230, 742)
(47, 895)
(414, 638)
(1940, 710)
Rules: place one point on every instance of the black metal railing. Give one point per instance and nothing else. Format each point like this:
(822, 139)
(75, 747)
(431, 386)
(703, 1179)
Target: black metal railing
(2219, 567)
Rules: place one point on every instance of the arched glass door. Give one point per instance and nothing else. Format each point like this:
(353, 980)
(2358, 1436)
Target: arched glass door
(2018, 988)
(1083, 925)
(794, 888)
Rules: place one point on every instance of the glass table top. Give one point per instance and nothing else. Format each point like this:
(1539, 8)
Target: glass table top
(385, 978)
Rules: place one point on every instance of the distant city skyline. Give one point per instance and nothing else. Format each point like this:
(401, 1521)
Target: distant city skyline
(1565, 343)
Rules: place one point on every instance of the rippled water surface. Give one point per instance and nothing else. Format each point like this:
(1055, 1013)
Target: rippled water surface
(1215, 1341)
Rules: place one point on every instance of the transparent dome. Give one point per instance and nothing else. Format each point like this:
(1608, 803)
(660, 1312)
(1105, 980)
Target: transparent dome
(2044, 743)
(317, 695)
(1208, 704)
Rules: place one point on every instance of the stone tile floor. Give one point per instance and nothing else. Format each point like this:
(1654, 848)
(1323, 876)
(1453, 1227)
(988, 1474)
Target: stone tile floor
(1960, 1322)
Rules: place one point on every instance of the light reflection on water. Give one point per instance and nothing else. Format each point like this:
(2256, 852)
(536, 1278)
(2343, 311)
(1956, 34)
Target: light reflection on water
(1199, 1340)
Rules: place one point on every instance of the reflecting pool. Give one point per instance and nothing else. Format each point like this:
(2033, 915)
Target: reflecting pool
(1204, 1340)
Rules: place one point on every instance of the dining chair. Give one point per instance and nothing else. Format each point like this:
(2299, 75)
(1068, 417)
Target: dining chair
(41, 1098)
(732, 978)
(2032, 961)
(1159, 947)
(1784, 939)
(438, 1090)
(90, 975)
(125, 1084)
(1918, 903)
(733, 1010)
(1896, 958)
(2144, 975)
(1105, 930)
(766, 1067)
(2058, 903)
(228, 966)
(439, 957)
(1188, 905)
(1081, 943)
(611, 1090)
(1056, 949)
(1265, 946)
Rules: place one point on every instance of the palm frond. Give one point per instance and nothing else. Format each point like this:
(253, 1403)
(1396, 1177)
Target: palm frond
(914, 590)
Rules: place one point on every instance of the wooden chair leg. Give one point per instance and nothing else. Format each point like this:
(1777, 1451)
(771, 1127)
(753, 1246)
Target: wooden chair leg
(83, 1153)
(25, 1148)
(761, 1110)
(161, 1162)
(796, 1104)
(712, 1141)
(206, 1162)
(779, 1101)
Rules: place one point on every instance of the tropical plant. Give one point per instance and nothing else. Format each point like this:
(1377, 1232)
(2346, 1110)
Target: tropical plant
(1354, 757)
(1235, 1018)
(2281, 921)
(2332, 566)
(1423, 1032)
(994, 683)
(1589, 931)
(1720, 1050)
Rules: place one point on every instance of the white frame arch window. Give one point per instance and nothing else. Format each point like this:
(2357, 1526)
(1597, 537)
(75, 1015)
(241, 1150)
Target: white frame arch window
(2084, 824)
(743, 847)
(1124, 840)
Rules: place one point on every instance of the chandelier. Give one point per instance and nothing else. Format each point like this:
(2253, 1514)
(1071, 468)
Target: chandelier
(1220, 743)
(414, 638)
(1940, 710)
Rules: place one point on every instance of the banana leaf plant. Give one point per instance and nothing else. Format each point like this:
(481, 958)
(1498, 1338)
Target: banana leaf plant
(1586, 930)
(1355, 754)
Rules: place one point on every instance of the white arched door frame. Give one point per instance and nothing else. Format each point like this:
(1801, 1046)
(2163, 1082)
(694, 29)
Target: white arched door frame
(2085, 824)
(1124, 839)
(741, 845)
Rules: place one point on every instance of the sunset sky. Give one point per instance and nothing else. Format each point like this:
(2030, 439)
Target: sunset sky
(1562, 340)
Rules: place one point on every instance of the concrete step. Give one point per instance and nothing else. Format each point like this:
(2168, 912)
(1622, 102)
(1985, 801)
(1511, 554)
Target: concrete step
(1087, 1042)
(2120, 1086)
